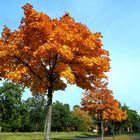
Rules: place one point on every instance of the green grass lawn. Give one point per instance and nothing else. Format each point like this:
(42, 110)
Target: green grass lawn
(39, 136)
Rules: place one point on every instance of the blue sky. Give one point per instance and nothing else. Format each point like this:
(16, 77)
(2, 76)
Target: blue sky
(119, 23)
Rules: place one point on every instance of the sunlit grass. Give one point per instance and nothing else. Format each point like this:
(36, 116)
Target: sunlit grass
(21, 136)
(39, 135)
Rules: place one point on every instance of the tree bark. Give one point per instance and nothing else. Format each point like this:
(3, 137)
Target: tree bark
(113, 131)
(102, 129)
(36, 127)
(120, 130)
(47, 128)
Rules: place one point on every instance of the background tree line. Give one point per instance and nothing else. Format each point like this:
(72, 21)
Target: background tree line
(28, 115)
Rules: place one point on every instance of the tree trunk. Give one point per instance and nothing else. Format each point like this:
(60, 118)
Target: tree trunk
(120, 130)
(36, 127)
(113, 130)
(102, 129)
(47, 128)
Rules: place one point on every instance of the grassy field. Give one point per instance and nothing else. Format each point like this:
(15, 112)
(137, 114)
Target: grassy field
(39, 136)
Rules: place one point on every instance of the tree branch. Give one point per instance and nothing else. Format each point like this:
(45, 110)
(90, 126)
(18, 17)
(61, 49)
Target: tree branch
(54, 78)
(27, 65)
(55, 60)
(45, 68)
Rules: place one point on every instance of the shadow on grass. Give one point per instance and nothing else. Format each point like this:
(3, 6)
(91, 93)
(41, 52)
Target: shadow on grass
(84, 137)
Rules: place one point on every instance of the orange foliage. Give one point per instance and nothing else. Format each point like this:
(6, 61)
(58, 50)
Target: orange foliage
(114, 112)
(43, 50)
(100, 101)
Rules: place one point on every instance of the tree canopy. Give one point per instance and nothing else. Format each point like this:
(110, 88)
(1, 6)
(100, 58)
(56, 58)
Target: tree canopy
(43, 50)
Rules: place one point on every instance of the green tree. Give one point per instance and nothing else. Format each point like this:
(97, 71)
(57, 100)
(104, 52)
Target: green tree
(10, 106)
(25, 118)
(132, 123)
(61, 117)
(83, 120)
(36, 107)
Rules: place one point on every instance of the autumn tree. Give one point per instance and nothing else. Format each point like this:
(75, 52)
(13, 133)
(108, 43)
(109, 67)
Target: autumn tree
(114, 114)
(43, 51)
(98, 100)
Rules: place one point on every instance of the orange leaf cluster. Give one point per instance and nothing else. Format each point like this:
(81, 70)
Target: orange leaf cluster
(114, 112)
(43, 50)
(97, 99)
(100, 101)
